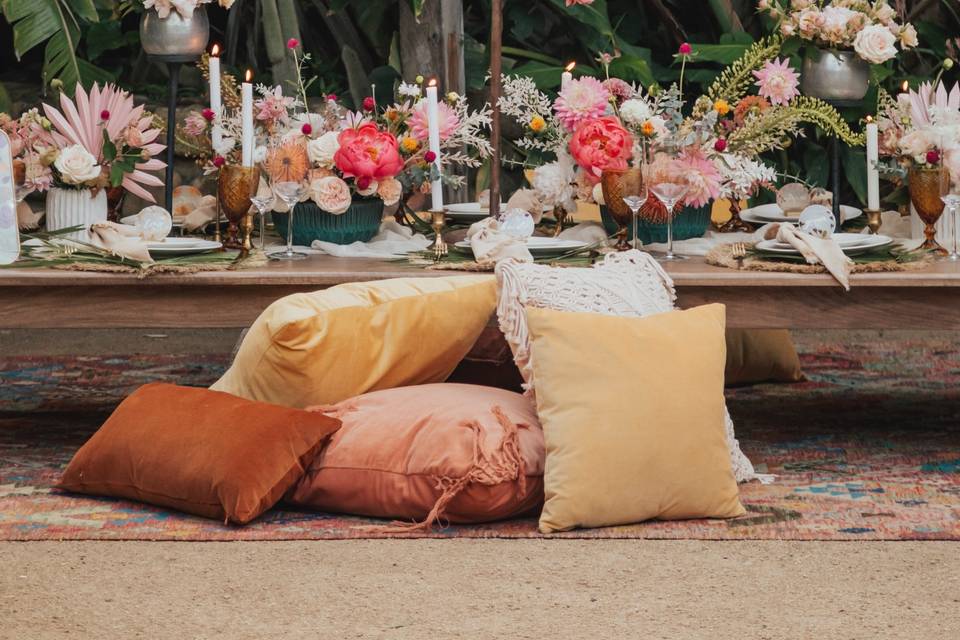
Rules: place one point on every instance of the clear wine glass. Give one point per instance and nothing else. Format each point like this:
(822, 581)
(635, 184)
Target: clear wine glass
(950, 194)
(670, 191)
(290, 193)
(262, 204)
(635, 197)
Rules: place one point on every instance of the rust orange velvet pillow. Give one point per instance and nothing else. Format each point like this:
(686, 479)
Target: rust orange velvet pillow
(199, 451)
(431, 453)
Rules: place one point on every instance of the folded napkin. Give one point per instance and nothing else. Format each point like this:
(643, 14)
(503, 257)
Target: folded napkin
(204, 214)
(491, 245)
(529, 201)
(817, 250)
(27, 220)
(589, 232)
(120, 240)
(391, 241)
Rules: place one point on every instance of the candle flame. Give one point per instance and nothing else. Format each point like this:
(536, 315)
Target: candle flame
(248, 76)
(570, 65)
(432, 83)
(215, 50)
(906, 86)
(869, 119)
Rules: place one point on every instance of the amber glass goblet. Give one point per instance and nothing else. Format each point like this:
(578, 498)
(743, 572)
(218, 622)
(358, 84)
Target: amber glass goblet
(618, 184)
(235, 187)
(924, 187)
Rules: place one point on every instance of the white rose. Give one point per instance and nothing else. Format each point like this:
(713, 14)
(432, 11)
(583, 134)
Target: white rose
(809, 21)
(908, 37)
(885, 14)
(836, 19)
(875, 44)
(76, 165)
(322, 150)
(635, 112)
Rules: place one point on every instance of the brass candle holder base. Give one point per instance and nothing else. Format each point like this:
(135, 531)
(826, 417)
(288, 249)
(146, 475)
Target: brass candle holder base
(560, 215)
(438, 221)
(236, 185)
(735, 223)
(873, 220)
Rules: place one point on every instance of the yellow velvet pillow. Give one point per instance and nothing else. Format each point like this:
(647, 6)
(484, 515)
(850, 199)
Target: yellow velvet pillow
(761, 355)
(633, 417)
(327, 346)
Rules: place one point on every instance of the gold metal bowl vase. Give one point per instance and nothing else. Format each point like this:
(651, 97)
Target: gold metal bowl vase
(235, 186)
(924, 187)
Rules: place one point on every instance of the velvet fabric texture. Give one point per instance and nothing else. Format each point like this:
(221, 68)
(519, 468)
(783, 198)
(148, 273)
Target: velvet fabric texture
(429, 454)
(761, 355)
(327, 346)
(632, 412)
(198, 451)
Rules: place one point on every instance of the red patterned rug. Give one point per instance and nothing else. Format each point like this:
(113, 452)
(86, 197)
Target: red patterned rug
(867, 449)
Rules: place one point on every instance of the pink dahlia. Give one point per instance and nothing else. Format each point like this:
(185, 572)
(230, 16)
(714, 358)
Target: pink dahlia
(601, 144)
(420, 123)
(777, 81)
(581, 100)
(703, 177)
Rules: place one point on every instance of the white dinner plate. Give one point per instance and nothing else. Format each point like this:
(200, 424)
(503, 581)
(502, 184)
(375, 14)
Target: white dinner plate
(540, 247)
(766, 213)
(132, 221)
(182, 246)
(874, 242)
(845, 240)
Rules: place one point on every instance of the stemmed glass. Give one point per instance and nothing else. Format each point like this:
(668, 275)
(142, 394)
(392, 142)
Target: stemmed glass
(670, 190)
(290, 193)
(950, 194)
(635, 194)
(262, 204)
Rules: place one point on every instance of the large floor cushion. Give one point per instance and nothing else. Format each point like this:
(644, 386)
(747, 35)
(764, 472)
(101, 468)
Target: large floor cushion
(632, 413)
(199, 451)
(761, 355)
(429, 454)
(327, 346)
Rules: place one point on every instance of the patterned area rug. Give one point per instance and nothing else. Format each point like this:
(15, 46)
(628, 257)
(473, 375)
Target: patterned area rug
(867, 449)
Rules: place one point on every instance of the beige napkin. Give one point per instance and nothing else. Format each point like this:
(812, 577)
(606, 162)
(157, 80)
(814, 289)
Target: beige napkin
(203, 215)
(527, 200)
(491, 245)
(120, 240)
(816, 250)
(27, 220)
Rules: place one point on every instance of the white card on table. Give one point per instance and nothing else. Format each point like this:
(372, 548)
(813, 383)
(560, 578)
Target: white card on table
(9, 233)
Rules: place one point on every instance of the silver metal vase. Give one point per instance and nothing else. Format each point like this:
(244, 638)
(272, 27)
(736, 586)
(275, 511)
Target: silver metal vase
(840, 77)
(175, 37)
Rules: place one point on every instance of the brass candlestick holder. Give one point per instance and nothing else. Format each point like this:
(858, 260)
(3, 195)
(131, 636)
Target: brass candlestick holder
(735, 223)
(236, 185)
(438, 221)
(560, 215)
(873, 220)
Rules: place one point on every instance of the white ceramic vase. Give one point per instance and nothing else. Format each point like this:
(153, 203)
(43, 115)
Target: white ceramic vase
(75, 207)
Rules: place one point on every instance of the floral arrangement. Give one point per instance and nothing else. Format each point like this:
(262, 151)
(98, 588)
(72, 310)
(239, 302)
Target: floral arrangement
(96, 140)
(184, 7)
(868, 27)
(922, 127)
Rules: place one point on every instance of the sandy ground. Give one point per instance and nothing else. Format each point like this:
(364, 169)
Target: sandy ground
(447, 589)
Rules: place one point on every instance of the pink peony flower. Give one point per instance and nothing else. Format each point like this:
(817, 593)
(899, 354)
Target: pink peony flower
(703, 177)
(331, 194)
(420, 124)
(581, 100)
(777, 81)
(368, 152)
(601, 144)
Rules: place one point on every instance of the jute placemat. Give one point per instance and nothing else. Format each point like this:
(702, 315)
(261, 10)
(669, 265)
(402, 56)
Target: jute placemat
(722, 256)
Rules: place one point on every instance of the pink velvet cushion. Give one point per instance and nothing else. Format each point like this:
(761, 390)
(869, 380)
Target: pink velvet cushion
(436, 452)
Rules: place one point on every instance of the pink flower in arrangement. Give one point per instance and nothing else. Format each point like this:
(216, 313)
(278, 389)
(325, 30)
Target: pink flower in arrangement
(195, 124)
(105, 115)
(686, 49)
(720, 145)
(420, 124)
(571, 3)
(703, 177)
(601, 144)
(429, 156)
(208, 114)
(306, 129)
(293, 43)
(368, 152)
(369, 104)
(272, 107)
(777, 81)
(581, 100)
(619, 89)
(933, 157)
(219, 161)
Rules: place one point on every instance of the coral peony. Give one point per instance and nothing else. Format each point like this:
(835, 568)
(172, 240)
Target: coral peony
(581, 100)
(331, 194)
(368, 152)
(420, 124)
(601, 144)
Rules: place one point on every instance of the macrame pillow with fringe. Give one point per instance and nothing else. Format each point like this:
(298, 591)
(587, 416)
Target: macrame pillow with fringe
(428, 455)
(629, 283)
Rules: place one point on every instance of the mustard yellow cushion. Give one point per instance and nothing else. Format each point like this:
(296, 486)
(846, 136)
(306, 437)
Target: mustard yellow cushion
(330, 345)
(761, 355)
(633, 417)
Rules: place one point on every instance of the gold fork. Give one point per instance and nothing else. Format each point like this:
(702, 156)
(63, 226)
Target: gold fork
(739, 253)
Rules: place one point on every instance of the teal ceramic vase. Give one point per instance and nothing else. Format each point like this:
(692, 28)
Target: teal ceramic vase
(689, 223)
(358, 224)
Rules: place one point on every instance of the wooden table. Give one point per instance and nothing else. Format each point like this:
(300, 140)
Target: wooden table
(48, 298)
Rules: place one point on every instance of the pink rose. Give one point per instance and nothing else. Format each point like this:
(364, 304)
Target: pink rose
(331, 194)
(390, 191)
(601, 144)
(367, 152)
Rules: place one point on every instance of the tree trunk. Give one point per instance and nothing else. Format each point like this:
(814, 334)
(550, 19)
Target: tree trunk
(421, 43)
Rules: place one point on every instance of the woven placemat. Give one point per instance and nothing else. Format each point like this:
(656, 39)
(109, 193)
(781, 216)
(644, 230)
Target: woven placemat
(722, 256)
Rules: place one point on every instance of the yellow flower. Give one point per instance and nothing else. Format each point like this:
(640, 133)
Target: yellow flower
(722, 107)
(647, 129)
(537, 124)
(409, 145)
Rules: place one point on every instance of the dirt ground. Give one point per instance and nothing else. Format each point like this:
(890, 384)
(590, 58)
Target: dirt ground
(448, 589)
